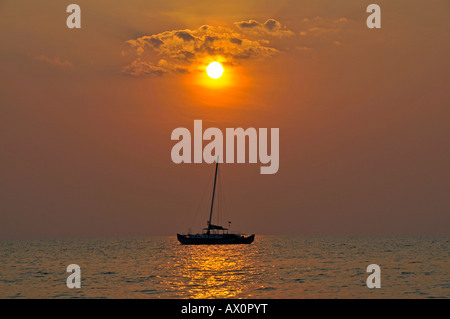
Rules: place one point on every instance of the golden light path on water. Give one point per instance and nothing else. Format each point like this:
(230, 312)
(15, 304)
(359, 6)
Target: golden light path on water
(214, 271)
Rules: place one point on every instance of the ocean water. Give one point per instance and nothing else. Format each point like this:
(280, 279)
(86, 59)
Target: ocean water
(271, 267)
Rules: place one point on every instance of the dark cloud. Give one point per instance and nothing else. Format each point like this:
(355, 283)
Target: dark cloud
(272, 25)
(269, 28)
(236, 41)
(185, 35)
(156, 42)
(248, 24)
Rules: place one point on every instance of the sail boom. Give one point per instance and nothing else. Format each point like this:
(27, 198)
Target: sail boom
(210, 226)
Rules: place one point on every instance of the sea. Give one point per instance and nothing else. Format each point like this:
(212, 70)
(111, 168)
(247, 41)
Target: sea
(279, 267)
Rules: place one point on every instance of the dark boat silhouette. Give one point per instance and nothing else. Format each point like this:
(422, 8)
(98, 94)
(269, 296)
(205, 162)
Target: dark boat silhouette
(215, 234)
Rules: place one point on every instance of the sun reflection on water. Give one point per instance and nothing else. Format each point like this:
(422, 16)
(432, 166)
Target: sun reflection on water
(213, 271)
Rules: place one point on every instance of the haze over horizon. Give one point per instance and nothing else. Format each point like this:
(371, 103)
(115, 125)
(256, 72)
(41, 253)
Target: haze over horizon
(87, 115)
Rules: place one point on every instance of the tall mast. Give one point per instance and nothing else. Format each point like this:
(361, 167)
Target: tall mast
(214, 191)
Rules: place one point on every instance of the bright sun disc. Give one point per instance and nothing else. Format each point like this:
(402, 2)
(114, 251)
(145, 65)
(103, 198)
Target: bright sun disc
(214, 70)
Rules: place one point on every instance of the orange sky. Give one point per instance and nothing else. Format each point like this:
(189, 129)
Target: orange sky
(363, 117)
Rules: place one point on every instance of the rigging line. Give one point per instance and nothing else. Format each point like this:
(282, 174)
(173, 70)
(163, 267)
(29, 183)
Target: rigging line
(224, 211)
(222, 203)
(220, 200)
(216, 212)
(202, 201)
(222, 216)
(219, 197)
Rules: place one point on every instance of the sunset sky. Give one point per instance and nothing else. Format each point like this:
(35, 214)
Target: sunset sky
(86, 116)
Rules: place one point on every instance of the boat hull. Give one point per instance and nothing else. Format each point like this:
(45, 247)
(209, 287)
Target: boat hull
(222, 239)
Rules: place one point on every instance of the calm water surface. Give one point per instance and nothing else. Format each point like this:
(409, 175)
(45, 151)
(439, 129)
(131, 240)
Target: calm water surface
(272, 267)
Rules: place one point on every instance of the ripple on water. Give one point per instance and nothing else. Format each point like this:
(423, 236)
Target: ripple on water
(278, 267)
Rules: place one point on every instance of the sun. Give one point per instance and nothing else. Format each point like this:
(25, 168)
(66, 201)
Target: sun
(214, 70)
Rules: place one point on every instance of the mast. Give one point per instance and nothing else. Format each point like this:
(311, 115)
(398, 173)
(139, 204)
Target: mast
(214, 191)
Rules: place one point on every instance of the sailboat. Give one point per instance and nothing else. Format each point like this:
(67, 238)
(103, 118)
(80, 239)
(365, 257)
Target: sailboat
(215, 234)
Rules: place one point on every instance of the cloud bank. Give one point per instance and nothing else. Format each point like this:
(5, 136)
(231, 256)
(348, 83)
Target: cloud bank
(53, 61)
(184, 51)
(271, 27)
(189, 50)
